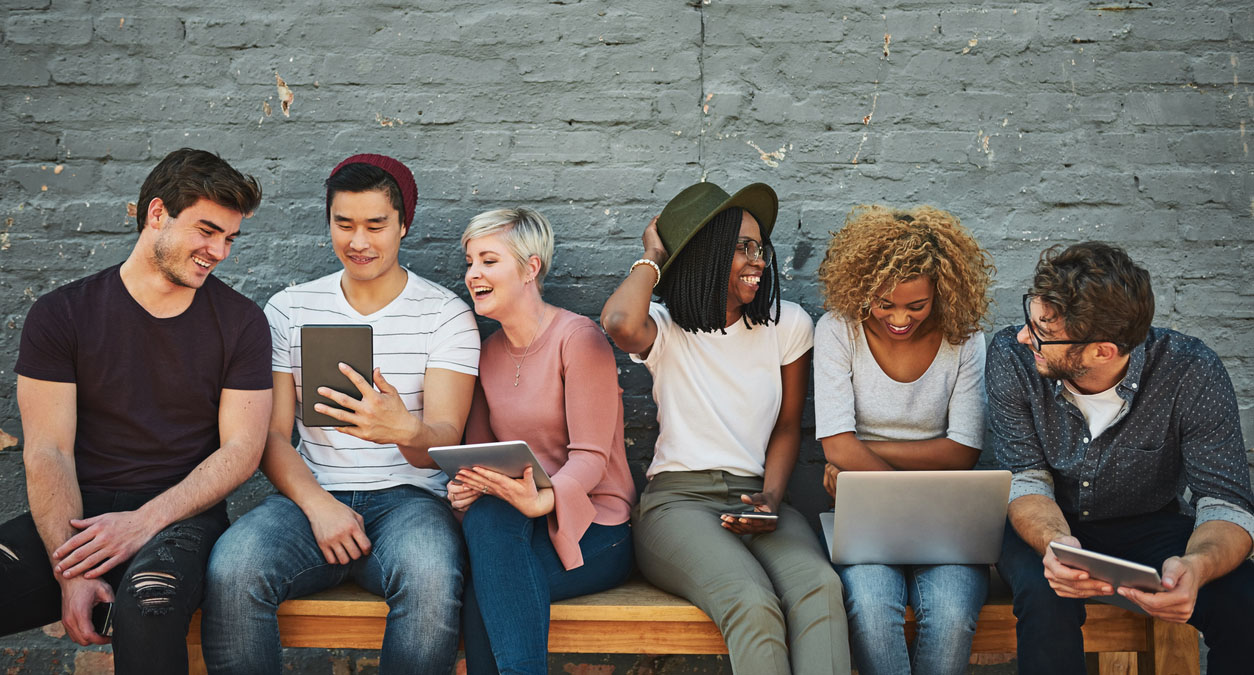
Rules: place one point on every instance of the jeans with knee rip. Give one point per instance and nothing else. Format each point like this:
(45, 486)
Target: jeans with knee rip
(156, 591)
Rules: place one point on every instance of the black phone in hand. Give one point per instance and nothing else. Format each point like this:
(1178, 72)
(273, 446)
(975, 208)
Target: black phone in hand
(102, 619)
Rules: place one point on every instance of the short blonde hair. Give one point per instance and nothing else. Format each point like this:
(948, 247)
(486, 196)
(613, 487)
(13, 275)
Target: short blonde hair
(526, 232)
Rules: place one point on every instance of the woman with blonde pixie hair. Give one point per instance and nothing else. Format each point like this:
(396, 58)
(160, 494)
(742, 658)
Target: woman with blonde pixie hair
(547, 377)
(899, 385)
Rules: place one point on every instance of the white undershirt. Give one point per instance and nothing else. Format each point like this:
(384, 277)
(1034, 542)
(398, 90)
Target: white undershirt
(1100, 410)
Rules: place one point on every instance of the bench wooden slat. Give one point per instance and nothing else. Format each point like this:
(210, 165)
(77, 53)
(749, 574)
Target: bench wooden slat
(638, 618)
(636, 600)
(635, 637)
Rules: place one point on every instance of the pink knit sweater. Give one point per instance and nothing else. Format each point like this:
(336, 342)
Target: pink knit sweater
(569, 408)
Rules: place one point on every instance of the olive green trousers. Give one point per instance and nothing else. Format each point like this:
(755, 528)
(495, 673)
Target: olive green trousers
(774, 596)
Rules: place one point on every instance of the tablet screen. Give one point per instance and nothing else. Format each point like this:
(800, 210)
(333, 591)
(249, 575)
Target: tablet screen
(322, 349)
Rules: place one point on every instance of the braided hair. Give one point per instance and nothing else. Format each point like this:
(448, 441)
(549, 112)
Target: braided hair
(695, 287)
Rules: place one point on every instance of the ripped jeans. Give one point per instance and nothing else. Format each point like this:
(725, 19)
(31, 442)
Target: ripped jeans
(157, 590)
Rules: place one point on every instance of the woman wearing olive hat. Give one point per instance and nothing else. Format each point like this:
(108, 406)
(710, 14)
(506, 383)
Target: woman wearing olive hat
(729, 362)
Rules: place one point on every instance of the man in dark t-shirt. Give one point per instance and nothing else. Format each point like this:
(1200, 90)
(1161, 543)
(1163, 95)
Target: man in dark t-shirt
(144, 391)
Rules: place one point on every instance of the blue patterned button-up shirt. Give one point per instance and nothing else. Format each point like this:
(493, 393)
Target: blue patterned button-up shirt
(1179, 429)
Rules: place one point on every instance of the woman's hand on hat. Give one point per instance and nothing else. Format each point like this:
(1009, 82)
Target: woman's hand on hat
(653, 248)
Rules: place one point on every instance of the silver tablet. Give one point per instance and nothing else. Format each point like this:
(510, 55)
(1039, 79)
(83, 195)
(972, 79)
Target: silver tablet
(1115, 571)
(507, 457)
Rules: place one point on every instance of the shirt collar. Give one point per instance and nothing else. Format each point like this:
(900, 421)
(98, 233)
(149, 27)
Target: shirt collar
(1128, 386)
(1131, 382)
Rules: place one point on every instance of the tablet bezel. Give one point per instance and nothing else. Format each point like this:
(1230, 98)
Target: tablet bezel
(507, 457)
(1117, 572)
(322, 348)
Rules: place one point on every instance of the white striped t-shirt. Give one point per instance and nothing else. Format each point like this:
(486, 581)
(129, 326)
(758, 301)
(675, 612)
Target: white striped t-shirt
(426, 326)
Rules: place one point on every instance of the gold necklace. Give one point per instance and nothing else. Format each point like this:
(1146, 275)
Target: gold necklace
(518, 363)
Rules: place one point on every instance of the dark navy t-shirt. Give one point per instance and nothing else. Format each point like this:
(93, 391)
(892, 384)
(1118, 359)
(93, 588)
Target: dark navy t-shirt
(148, 388)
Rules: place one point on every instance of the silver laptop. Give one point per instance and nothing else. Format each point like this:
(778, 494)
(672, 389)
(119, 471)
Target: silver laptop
(917, 517)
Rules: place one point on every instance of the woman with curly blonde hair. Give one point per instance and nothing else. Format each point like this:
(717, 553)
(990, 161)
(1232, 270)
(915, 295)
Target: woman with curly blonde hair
(899, 385)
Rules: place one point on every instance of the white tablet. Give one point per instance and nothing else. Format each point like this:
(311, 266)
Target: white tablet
(1115, 571)
(507, 457)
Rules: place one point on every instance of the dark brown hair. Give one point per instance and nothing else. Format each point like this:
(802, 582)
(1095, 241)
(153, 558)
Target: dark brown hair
(186, 176)
(1098, 292)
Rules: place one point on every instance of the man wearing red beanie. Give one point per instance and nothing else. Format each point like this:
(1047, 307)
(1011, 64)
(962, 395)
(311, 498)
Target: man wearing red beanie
(362, 502)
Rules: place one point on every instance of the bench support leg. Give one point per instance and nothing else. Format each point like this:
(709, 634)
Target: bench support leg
(196, 661)
(1173, 650)
(1117, 663)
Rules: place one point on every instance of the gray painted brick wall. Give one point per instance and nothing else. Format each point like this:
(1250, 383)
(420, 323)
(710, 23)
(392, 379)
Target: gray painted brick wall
(1035, 122)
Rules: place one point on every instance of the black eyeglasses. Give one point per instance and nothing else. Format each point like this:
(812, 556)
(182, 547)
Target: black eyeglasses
(1037, 342)
(755, 251)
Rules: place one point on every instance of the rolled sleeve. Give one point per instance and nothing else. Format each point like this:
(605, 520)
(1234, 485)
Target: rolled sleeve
(1210, 508)
(1032, 482)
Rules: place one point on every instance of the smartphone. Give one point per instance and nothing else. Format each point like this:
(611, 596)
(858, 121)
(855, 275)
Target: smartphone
(102, 619)
(751, 515)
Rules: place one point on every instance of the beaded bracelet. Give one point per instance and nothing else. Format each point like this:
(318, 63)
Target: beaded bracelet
(650, 263)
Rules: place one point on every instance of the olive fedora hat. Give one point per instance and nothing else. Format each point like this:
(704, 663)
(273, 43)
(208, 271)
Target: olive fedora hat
(696, 206)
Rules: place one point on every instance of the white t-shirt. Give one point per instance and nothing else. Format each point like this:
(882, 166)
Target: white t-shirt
(1100, 410)
(853, 393)
(426, 326)
(718, 396)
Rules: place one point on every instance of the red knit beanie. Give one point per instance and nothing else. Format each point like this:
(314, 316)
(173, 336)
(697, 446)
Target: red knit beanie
(399, 172)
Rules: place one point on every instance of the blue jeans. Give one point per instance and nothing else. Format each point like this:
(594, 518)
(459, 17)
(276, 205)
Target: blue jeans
(515, 574)
(946, 601)
(270, 555)
(1049, 626)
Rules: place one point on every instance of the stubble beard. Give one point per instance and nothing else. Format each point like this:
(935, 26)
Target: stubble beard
(1069, 369)
(163, 258)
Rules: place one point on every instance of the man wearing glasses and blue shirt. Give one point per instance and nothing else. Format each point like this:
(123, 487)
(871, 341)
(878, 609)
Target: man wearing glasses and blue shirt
(1124, 439)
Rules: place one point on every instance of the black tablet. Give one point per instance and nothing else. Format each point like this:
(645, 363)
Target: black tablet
(322, 349)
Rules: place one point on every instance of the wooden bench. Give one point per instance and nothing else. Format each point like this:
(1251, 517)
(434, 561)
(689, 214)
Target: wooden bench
(637, 618)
